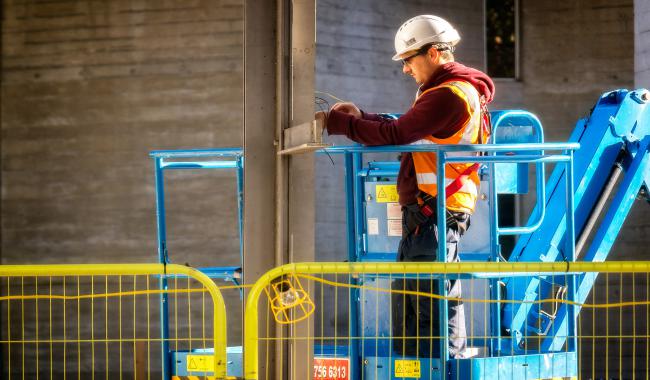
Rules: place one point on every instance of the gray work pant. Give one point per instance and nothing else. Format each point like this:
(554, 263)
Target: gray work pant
(416, 331)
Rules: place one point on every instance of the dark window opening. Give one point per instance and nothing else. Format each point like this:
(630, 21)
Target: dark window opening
(501, 38)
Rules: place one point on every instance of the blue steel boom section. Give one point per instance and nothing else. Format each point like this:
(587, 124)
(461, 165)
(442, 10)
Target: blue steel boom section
(614, 141)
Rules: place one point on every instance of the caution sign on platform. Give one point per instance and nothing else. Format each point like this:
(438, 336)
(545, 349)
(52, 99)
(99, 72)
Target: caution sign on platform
(386, 193)
(408, 368)
(200, 363)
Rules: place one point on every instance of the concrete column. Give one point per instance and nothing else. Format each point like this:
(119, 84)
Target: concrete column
(260, 131)
(302, 219)
(279, 52)
(301, 166)
(259, 137)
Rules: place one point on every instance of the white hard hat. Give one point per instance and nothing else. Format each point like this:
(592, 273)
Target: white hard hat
(422, 30)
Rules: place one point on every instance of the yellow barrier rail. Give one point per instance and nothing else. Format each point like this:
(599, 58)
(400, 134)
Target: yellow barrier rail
(478, 269)
(219, 336)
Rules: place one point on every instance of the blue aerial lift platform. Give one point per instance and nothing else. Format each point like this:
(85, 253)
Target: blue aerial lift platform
(606, 158)
(177, 363)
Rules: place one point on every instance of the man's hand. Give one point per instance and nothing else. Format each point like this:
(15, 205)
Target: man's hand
(347, 107)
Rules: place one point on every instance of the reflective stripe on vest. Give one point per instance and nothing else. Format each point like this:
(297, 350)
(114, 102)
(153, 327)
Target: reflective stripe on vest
(462, 177)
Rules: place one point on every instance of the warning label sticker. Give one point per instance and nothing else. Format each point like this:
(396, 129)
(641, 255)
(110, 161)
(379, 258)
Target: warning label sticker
(394, 227)
(407, 368)
(373, 226)
(200, 363)
(386, 193)
(393, 211)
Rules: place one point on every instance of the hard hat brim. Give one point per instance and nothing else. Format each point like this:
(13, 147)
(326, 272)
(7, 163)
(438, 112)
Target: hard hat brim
(430, 40)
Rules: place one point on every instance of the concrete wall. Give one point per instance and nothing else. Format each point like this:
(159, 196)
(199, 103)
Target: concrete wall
(88, 89)
(642, 43)
(572, 53)
(570, 56)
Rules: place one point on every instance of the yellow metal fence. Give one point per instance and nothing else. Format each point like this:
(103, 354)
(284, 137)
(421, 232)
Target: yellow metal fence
(104, 321)
(613, 327)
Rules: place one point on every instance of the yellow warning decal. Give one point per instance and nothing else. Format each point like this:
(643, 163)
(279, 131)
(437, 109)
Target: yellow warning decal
(200, 363)
(407, 368)
(386, 193)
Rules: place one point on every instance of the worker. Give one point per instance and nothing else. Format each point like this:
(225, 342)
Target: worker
(450, 108)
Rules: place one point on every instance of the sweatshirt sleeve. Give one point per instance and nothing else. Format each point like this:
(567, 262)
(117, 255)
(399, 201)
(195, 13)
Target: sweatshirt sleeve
(370, 116)
(440, 113)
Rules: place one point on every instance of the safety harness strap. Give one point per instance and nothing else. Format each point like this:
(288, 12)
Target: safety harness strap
(418, 214)
(460, 181)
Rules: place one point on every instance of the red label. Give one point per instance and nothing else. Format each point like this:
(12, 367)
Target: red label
(331, 368)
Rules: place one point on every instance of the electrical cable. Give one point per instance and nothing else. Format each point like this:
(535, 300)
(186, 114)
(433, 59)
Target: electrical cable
(330, 95)
(320, 102)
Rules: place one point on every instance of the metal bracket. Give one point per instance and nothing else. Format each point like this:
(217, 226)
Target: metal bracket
(303, 138)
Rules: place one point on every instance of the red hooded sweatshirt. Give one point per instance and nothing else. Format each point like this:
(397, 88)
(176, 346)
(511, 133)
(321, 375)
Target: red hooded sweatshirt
(440, 113)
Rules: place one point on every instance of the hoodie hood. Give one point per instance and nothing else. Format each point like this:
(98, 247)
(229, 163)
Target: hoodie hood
(456, 71)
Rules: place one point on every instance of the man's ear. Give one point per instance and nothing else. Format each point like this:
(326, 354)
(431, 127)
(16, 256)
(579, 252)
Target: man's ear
(434, 54)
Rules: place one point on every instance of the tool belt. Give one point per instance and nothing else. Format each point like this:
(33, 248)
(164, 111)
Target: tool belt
(417, 214)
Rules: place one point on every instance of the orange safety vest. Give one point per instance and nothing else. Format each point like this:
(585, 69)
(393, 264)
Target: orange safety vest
(461, 179)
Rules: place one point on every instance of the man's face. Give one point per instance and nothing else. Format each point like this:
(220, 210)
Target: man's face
(420, 66)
